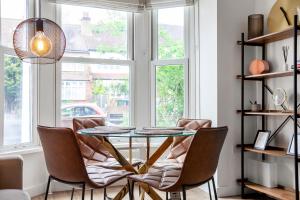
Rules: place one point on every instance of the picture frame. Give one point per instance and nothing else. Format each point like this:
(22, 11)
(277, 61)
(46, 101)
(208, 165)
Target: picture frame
(290, 150)
(261, 139)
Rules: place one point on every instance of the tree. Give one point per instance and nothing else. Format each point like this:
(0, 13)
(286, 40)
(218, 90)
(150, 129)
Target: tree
(98, 87)
(12, 82)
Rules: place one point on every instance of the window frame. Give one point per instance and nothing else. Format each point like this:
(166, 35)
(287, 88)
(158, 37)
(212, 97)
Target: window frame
(34, 90)
(85, 60)
(155, 62)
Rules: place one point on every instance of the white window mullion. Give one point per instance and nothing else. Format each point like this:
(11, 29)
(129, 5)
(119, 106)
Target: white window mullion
(2, 98)
(153, 94)
(154, 35)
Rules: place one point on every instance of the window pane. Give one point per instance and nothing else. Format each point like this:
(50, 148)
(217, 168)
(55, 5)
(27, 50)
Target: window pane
(94, 32)
(169, 94)
(171, 33)
(17, 106)
(11, 16)
(95, 90)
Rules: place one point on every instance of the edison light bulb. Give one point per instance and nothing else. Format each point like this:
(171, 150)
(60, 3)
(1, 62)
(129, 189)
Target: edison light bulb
(40, 44)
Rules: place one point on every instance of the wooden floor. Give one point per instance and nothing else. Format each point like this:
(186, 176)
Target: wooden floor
(195, 194)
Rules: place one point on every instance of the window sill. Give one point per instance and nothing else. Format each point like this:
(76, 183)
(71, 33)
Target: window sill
(21, 151)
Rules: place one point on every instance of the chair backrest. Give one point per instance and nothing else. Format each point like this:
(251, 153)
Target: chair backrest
(87, 122)
(61, 151)
(91, 148)
(180, 145)
(203, 156)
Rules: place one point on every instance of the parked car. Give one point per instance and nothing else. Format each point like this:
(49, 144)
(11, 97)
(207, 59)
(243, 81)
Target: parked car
(69, 111)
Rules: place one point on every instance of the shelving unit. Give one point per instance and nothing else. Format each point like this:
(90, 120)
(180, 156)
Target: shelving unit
(277, 193)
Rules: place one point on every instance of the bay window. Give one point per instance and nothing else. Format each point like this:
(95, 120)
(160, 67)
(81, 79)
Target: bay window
(17, 88)
(97, 65)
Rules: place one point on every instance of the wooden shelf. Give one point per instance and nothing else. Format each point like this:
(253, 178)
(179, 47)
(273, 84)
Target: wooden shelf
(268, 113)
(272, 37)
(267, 75)
(271, 151)
(277, 193)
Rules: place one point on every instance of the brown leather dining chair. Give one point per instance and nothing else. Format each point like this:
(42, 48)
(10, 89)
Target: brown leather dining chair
(199, 165)
(65, 162)
(180, 145)
(91, 148)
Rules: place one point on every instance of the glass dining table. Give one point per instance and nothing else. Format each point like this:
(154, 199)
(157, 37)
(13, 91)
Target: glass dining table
(104, 133)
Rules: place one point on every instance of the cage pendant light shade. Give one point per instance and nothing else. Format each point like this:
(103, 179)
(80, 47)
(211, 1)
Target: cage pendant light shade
(39, 41)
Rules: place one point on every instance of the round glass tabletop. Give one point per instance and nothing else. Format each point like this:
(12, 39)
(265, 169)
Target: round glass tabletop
(136, 133)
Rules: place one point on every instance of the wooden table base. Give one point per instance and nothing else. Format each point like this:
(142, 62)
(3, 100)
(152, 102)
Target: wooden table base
(144, 168)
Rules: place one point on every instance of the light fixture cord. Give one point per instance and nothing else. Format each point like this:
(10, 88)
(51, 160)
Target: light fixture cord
(40, 9)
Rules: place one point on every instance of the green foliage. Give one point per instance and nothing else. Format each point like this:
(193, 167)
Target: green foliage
(98, 88)
(169, 48)
(114, 88)
(105, 48)
(120, 88)
(170, 94)
(169, 81)
(12, 82)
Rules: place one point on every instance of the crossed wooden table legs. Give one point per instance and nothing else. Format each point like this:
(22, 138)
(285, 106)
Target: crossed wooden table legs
(144, 168)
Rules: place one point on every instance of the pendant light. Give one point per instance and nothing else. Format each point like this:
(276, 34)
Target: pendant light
(39, 40)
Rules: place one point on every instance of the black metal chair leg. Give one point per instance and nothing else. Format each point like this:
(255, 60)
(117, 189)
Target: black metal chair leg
(47, 189)
(129, 189)
(183, 193)
(92, 194)
(132, 190)
(167, 195)
(209, 190)
(72, 194)
(83, 191)
(104, 193)
(215, 190)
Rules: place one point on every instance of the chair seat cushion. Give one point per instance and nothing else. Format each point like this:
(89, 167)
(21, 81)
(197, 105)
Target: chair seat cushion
(13, 195)
(111, 163)
(168, 163)
(104, 177)
(160, 179)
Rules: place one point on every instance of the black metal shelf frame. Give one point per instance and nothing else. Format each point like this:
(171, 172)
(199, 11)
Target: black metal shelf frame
(243, 44)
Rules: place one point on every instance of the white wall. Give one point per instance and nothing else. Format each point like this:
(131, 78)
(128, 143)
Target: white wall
(221, 25)
(232, 21)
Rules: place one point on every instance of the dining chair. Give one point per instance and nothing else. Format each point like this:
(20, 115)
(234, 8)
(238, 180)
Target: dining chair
(92, 147)
(199, 165)
(181, 144)
(65, 162)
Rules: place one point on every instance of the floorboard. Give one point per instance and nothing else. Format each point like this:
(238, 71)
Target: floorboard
(194, 194)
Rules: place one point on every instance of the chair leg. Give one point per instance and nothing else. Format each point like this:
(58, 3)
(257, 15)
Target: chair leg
(47, 189)
(183, 193)
(215, 190)
(104, 193)
(92, 194)
(83, 191)
(209, 190)
(132, 190)
(129, 189)
(72, 194)
(167, 196)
